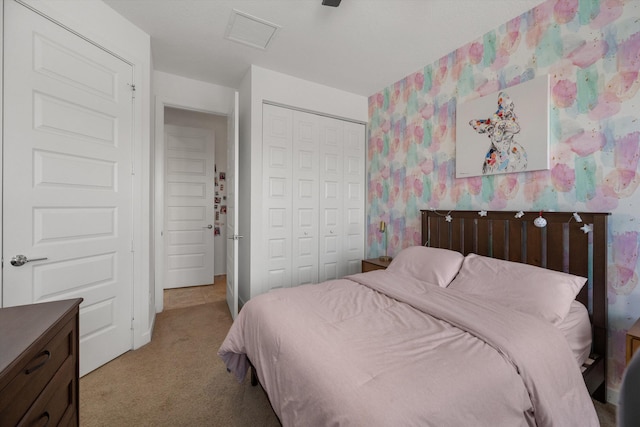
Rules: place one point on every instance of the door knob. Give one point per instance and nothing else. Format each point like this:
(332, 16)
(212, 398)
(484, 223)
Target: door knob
(209, 226)
(19, 260)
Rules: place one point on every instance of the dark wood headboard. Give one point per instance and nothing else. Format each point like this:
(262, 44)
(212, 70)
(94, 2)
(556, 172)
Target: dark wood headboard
(561, 245)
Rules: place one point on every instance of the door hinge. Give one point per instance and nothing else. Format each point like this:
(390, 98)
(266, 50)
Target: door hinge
(133, 90)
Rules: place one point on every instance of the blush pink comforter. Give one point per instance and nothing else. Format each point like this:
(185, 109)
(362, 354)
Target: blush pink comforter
(382, 349)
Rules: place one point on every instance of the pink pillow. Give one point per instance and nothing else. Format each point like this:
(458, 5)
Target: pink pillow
(433, 265)
(543, 293)
(576, 328)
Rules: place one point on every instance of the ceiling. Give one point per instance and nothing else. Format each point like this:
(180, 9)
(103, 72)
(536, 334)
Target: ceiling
(361, 47)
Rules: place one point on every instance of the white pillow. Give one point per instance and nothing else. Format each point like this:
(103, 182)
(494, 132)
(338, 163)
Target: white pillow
(433, 265)
(544, 293)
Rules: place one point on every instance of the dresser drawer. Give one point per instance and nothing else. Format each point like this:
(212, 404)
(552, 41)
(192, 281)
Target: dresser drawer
(55, 405)
(34, 375)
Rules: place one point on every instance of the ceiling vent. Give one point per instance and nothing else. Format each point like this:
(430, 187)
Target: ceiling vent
(249, 30)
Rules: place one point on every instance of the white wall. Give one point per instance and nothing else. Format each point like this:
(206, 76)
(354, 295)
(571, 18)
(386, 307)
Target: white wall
(151, 225)
(192, 94)
(269, 86)
(97, 22)
(187, 94)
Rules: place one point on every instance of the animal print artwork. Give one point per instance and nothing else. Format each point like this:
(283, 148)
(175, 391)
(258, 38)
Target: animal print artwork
(505, 154)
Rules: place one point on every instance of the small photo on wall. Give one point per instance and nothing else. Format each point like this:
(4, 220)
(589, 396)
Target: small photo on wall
(223, 209)
(223, 176)
(216, 231)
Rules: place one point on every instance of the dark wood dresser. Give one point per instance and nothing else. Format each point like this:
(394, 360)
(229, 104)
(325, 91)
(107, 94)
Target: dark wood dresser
(39, 364)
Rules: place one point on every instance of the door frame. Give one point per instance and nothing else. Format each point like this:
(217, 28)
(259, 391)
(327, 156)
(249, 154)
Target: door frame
(158, 186)
(1, 138)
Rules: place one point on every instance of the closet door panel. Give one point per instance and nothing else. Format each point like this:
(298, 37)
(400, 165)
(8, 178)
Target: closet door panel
(305, 203)
(277, 195)
(332, 265)
(354, 194)
(314, 171)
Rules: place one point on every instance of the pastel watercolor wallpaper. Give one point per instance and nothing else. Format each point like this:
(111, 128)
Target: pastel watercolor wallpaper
(591, 51)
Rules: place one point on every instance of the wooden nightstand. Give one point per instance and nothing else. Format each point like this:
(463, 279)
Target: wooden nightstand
(374, 264)
(633, 340)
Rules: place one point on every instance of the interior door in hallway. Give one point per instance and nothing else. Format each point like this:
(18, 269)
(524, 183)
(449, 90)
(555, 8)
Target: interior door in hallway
(67, 187)
(189, 206)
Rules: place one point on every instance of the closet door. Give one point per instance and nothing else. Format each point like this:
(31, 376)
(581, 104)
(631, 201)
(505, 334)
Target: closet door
(331, 264)
(305, 201)
(277, 152)
(354, 194)
(313, 169)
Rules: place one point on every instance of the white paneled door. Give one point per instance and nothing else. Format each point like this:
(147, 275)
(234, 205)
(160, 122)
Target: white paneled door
(189, 201)
(67, 187)
(353, 211)
(331, 198)
(277, 150)
(305, 171)
(313, 197)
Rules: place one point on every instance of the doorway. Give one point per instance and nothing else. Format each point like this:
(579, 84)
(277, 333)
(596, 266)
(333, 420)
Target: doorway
(194, 194)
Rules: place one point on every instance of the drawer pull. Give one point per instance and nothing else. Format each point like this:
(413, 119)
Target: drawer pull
(44, 417)
(47, 355)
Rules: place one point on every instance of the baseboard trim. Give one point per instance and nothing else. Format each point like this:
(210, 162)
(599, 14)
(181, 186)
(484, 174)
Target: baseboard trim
(613, 396)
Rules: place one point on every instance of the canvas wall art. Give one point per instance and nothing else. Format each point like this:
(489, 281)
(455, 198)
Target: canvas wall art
(504, 132)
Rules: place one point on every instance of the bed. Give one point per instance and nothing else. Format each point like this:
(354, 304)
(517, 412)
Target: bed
(479, 326)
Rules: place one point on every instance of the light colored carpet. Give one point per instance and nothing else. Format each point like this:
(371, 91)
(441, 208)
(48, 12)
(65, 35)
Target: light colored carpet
(178, 380)
(175, 380)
